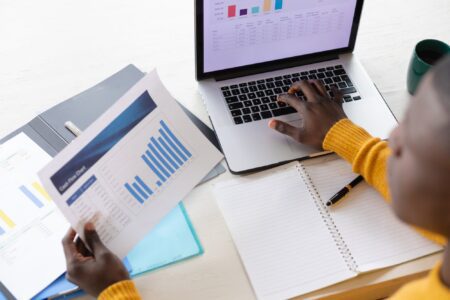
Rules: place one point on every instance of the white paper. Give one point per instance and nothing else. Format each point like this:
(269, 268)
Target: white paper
(283, 242)
(375, 237)
(31, 226)
(88, 178)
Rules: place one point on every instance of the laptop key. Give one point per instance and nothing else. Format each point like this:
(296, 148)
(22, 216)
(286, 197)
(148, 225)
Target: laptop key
(278, 78)
(235, 92)
(264, 107)
(270, 85)
(246, 111)
(256, 102)
(296, 75)
(252, 83)
(311, 77)
(278, 83)
(338, 67)
(329, 74)
(260, 81)
(304, 78)
(287, 76)
(342, 85)
(266, 115)
(273, 98)
(253, 88)
(321, 70)
(232, 99)
(320, 75)
(357, 98)
(273, 105)
(262, 87)
(260, 94)
(337, 79)
(238, 120)
(256, 117)
(269, 93)
(234, 86)
(255, 109)
(243, 97)
(226, 93)
(328, 81)
(265, 100)
(283, 111)
(285, 89)
(236, 113)
(244, 90)
(339, 72)
(225, 88)
(277, 91)
(347, 98)
(295, 79)
(270, 80)
(243, 84)
(251, 96)
(248, 103)
(234, 106)
(247, 118)
(330, 68)
(349, 90)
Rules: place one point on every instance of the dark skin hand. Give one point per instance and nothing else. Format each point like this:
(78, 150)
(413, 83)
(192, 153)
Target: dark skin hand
(419, 167)
(92, 271)
(318, 113)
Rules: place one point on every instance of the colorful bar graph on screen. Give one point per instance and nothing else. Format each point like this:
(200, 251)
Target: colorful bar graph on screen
(41, 191)
(6, 219)
(31, 196)
(278, 4)
(267, 5)
(164, 156)
(231, 11)
(255, 10)
(243, 12)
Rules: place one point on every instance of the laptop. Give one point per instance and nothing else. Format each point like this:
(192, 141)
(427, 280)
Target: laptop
(250, 51)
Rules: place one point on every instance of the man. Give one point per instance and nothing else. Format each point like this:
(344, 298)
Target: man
(413, 171)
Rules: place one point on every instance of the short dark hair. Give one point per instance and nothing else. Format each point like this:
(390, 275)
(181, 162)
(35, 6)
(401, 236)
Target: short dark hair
(441, 81)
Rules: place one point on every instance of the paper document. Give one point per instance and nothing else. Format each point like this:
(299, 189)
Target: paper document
(131, 167)
(31, 226)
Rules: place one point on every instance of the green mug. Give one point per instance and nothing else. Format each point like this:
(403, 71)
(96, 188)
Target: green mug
(426, 54)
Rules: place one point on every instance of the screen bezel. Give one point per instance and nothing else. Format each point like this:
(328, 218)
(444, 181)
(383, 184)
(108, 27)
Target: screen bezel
(265, 66)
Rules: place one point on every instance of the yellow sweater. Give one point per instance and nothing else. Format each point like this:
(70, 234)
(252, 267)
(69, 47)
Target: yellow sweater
(368, 157)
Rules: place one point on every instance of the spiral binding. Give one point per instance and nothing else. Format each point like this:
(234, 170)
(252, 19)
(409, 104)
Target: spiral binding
(325, 214)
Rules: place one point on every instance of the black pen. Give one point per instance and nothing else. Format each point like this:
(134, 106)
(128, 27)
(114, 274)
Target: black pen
(341, 194)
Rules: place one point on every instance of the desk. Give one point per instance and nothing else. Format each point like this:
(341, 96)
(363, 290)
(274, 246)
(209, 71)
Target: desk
(53, 49)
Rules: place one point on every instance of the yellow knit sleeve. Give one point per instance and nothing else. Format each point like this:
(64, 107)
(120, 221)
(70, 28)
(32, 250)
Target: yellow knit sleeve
(368, 156)
(430, 287)
(120, 291)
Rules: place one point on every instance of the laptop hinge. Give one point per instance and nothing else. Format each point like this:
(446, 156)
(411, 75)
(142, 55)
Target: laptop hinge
(276, 66)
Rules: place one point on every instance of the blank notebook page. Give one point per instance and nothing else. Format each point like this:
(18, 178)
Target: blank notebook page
(373, 234)
(280, 235)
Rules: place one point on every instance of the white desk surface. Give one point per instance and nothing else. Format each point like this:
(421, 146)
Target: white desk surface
(51, 50)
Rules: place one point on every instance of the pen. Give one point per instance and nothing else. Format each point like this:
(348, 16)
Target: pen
(72, 128)
(341, 194)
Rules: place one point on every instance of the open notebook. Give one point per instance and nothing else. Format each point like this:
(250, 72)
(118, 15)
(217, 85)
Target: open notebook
(291, 243)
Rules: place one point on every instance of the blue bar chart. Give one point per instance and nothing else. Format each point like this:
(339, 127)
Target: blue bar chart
(164, 156)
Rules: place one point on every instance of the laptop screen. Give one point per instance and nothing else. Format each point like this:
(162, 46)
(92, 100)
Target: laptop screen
(240, 33)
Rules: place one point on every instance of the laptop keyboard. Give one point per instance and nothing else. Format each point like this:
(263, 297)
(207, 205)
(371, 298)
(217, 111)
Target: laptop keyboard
(256, 100)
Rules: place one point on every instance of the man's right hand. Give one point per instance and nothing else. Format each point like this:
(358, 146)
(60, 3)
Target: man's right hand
(92, 271)
(318, 113)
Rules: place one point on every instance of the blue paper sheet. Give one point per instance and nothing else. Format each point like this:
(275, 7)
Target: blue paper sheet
(171, 241)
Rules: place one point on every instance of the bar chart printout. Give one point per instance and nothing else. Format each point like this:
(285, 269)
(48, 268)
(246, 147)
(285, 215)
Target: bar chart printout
(164, 156)
(29, 219)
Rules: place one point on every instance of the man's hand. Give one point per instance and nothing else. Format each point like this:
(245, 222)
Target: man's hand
(92, 271)
(318, 113)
